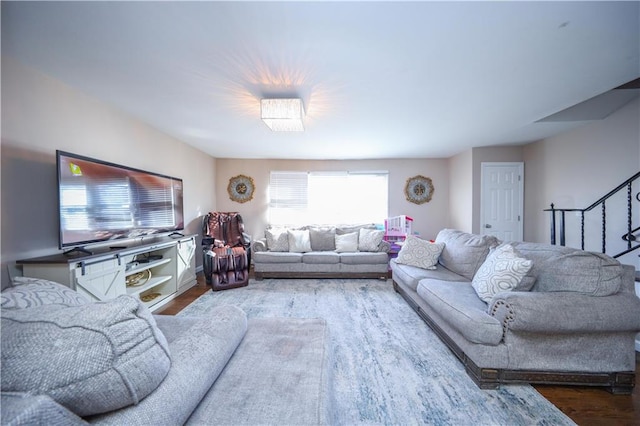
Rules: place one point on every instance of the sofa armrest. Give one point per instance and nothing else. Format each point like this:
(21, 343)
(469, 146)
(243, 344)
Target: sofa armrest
(562, 312)
(259, 245)
(200, 350)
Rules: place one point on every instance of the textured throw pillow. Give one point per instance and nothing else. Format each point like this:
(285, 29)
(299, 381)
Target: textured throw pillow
(503, 270)
(299, 241)
(347, 243)
(92, 358)
(369, 239)
(322, 239)
(277, 239)
(418, 252)
(31, 292)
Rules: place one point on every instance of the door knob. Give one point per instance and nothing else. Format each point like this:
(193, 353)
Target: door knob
(487, 225)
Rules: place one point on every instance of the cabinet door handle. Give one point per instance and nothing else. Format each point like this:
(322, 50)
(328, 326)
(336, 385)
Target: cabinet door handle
(487, 225)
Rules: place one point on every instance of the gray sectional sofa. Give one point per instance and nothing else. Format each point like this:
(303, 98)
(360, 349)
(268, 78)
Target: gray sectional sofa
(321, 251)
(566, 317)
(67, 361)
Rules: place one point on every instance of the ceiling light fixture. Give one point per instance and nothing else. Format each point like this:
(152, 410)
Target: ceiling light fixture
(282, 115)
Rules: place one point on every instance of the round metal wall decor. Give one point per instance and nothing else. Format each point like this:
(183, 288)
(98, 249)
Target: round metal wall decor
(241, 188)
(418, 189)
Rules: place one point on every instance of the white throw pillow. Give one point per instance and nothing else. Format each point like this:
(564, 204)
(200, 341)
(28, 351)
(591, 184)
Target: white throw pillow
(299, 241)
(501, 271)
(347, 242)
(277, 239)
(418, 252)
(369, 239)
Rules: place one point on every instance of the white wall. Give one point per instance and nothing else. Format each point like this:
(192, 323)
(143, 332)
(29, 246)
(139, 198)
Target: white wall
(40, 115)
(575, 169)
(461, 191)
(429, 218)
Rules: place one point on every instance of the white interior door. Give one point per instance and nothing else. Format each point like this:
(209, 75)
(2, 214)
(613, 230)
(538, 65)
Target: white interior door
(501, 200)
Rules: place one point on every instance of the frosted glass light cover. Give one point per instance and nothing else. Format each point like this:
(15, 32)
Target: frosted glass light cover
(282, 115)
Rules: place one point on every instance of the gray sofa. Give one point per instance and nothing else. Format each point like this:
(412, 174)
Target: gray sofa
(567, 317)
(321, 251)
(68, 361)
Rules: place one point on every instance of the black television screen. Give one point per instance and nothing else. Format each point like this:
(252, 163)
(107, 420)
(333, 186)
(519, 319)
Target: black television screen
(100, 201)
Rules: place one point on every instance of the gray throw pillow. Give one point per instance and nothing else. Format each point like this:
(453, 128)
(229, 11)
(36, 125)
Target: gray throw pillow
(464, 253)
(92, 358)
(323, 239)
(31, 292)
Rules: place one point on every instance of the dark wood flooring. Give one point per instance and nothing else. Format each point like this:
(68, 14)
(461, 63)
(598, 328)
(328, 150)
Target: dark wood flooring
(585, 406)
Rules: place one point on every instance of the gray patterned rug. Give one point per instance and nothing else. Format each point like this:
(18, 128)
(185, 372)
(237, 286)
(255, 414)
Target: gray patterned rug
(389, 367)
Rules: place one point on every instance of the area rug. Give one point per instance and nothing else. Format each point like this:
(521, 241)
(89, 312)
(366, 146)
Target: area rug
(389, 368)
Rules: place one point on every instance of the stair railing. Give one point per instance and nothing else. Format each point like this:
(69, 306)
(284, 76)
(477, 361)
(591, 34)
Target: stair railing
(629, 236)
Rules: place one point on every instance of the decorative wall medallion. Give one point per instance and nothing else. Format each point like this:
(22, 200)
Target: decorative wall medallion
(241, 188)
(418, 189)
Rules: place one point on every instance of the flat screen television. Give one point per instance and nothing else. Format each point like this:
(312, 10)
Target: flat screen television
(101, 201)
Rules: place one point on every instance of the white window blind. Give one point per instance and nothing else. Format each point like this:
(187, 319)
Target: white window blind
(297, 198)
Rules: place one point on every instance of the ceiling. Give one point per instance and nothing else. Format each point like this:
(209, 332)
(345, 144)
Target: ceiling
(378, 79)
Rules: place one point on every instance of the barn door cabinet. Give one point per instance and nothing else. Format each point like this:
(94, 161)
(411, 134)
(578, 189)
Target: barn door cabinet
(155, 271)
(186, 263)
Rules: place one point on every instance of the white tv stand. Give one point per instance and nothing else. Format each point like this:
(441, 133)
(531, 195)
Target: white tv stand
(165, 267)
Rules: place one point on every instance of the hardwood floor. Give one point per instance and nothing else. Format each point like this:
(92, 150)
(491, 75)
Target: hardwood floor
(585, 406)
(182, 301)
(588, 406)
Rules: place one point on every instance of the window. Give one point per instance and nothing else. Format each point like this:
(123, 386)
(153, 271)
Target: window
(297, 198)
